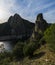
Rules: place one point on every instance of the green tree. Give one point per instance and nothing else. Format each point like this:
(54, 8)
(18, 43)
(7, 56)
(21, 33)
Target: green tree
(49, 36)
(29, 49)
(18, 50)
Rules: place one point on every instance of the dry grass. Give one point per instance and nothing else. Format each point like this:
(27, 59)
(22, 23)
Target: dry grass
(46, 59)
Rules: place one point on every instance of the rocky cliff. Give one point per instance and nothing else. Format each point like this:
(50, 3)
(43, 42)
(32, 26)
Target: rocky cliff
(16, 25)
(19, 25)
(40, 26)
(40, 23)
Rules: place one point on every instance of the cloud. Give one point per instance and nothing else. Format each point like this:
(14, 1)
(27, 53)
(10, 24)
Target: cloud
(5, 6)
(28, 9)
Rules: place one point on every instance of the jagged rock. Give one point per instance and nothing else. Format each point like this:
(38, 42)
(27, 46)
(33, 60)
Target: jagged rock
(40, 23)
(15, 22)
(19, 25)
(40, 17)
(40, 26)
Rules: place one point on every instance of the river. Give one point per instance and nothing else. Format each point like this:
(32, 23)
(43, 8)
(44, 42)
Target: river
(6, 46)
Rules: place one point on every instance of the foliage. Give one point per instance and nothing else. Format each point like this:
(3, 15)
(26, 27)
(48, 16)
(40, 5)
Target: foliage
(30, 48)
(5, 55)
(18, 50)
(5, 61)
(42, 41)
(49, 36)
(5, 58)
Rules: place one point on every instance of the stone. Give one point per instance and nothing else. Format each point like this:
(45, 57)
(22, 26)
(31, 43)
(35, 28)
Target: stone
(40, 26)
(40, 17)
(40, 23)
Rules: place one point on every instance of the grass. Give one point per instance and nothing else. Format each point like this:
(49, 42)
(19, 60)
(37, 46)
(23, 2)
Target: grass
(46, 59)
(42, 56)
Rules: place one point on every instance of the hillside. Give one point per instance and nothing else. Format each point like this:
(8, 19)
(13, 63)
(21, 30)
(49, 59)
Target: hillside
(42, 56)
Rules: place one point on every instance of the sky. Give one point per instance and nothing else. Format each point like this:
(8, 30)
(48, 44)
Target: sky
(27, 9)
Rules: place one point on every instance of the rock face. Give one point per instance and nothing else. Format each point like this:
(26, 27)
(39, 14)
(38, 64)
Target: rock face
(40, 23)
(40, 27)
(16, 26)
(20, 26)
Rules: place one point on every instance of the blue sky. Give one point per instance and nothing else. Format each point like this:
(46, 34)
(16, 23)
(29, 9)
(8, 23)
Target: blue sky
(27, 9)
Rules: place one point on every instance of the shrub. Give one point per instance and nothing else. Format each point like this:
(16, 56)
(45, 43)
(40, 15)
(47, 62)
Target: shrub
(5, 55)
(5, 61)
(42, 41)
(18, 50)
(49, 36)
(30, 48)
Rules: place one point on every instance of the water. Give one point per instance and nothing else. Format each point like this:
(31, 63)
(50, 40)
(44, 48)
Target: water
(6, 46)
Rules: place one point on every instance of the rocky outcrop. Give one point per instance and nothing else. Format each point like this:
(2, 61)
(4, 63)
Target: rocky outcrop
(40, 23)
(19, 25)
(40, 26)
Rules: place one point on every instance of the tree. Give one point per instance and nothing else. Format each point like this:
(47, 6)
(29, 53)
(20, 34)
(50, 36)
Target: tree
(29, 49)
(18, 50)
(49, 36)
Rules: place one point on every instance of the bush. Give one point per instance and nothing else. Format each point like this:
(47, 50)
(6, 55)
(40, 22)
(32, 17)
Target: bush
(49, 36)
(5, 58)
(30, 48)
(18, 50)
(42, 41)
(5, 61)
(5, 55)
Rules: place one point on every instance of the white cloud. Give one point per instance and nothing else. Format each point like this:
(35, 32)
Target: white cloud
(9, 7)
(5, 6)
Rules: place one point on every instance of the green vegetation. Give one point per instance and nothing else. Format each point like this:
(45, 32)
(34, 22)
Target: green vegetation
(30, 48)
(49, 36)
(5, 58)
(18, 50)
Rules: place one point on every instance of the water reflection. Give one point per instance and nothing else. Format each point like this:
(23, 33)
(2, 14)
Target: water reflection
(5, 46)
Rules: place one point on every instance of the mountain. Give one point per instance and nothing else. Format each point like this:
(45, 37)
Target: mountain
(16, 25)
(19, 25)
(40, 26)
